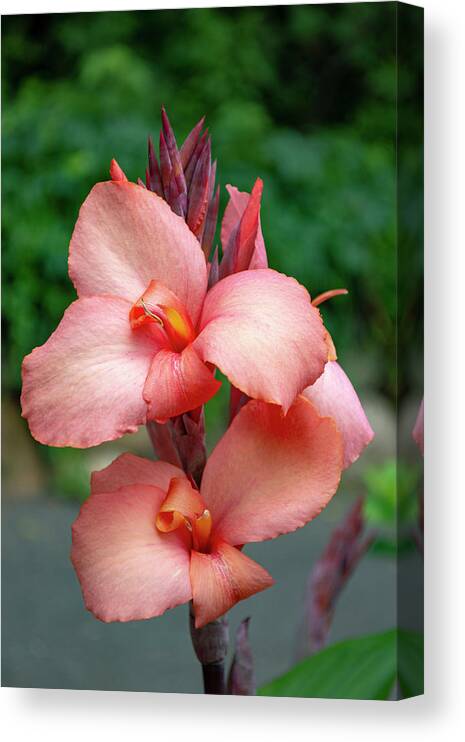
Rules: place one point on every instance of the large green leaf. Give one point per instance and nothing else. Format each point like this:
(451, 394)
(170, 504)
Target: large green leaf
(362, 668)
(410, 663)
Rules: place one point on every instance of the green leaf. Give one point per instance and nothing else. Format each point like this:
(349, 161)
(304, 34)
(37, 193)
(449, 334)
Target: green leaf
(410, 663)
(362, 668)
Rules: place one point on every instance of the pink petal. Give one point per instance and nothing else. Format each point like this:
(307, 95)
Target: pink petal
(222, 578)
(128, 570)
(260, 329)
(234, 211)
(271, 473)
(177, 383)
(333, 395)
(130, 469)
(84, 386)
(418, 430)
(125, 237)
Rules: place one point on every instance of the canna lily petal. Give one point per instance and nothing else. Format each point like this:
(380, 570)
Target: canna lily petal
(125, 237)
(130, 469)
(128, 571)
(177, 383)
(222, 578)
(260, 329)
(271, 473)
(84, 385)
(333, 395)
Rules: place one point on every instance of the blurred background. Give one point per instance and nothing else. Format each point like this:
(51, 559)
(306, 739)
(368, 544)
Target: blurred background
(305, 98)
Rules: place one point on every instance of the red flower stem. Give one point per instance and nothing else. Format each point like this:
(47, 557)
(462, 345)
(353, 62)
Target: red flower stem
(181, 441)
(214, 679)
(210, 645)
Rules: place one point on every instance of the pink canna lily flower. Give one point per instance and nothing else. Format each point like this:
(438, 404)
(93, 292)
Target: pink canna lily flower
(142, 340)
(333, 395)
(146, 540)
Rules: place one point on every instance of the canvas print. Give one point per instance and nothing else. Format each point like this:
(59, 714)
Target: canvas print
(212, 351)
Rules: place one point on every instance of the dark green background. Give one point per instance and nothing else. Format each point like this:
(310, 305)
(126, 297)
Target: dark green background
(302, 96)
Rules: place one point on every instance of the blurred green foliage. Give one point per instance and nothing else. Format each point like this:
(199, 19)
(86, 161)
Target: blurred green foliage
(391, 507)
(392, 487)
(303, 96)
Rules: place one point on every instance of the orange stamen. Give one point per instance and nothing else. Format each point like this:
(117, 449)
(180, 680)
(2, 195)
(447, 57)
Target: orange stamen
(184, 508)
(161, 311)
(178, 327)
(148, 313)
(201, 531)
(169, 521)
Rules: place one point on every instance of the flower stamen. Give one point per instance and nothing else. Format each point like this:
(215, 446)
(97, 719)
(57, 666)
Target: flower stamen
(150, 314)
(184, 507)
(201, 531)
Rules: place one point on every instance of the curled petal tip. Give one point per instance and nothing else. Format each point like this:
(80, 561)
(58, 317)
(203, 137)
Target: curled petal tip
(328, 295)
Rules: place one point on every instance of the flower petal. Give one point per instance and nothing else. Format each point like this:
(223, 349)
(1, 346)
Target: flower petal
(130, 469)
(177, 383)
(125, 237)
(128, 571)
(260, 329)
(222, 578)
(333, 395)
(84, 386)
(270, 473)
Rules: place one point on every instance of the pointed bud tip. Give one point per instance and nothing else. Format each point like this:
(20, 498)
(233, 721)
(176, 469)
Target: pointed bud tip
(116, 173)
(257, 187)
(165, 120)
